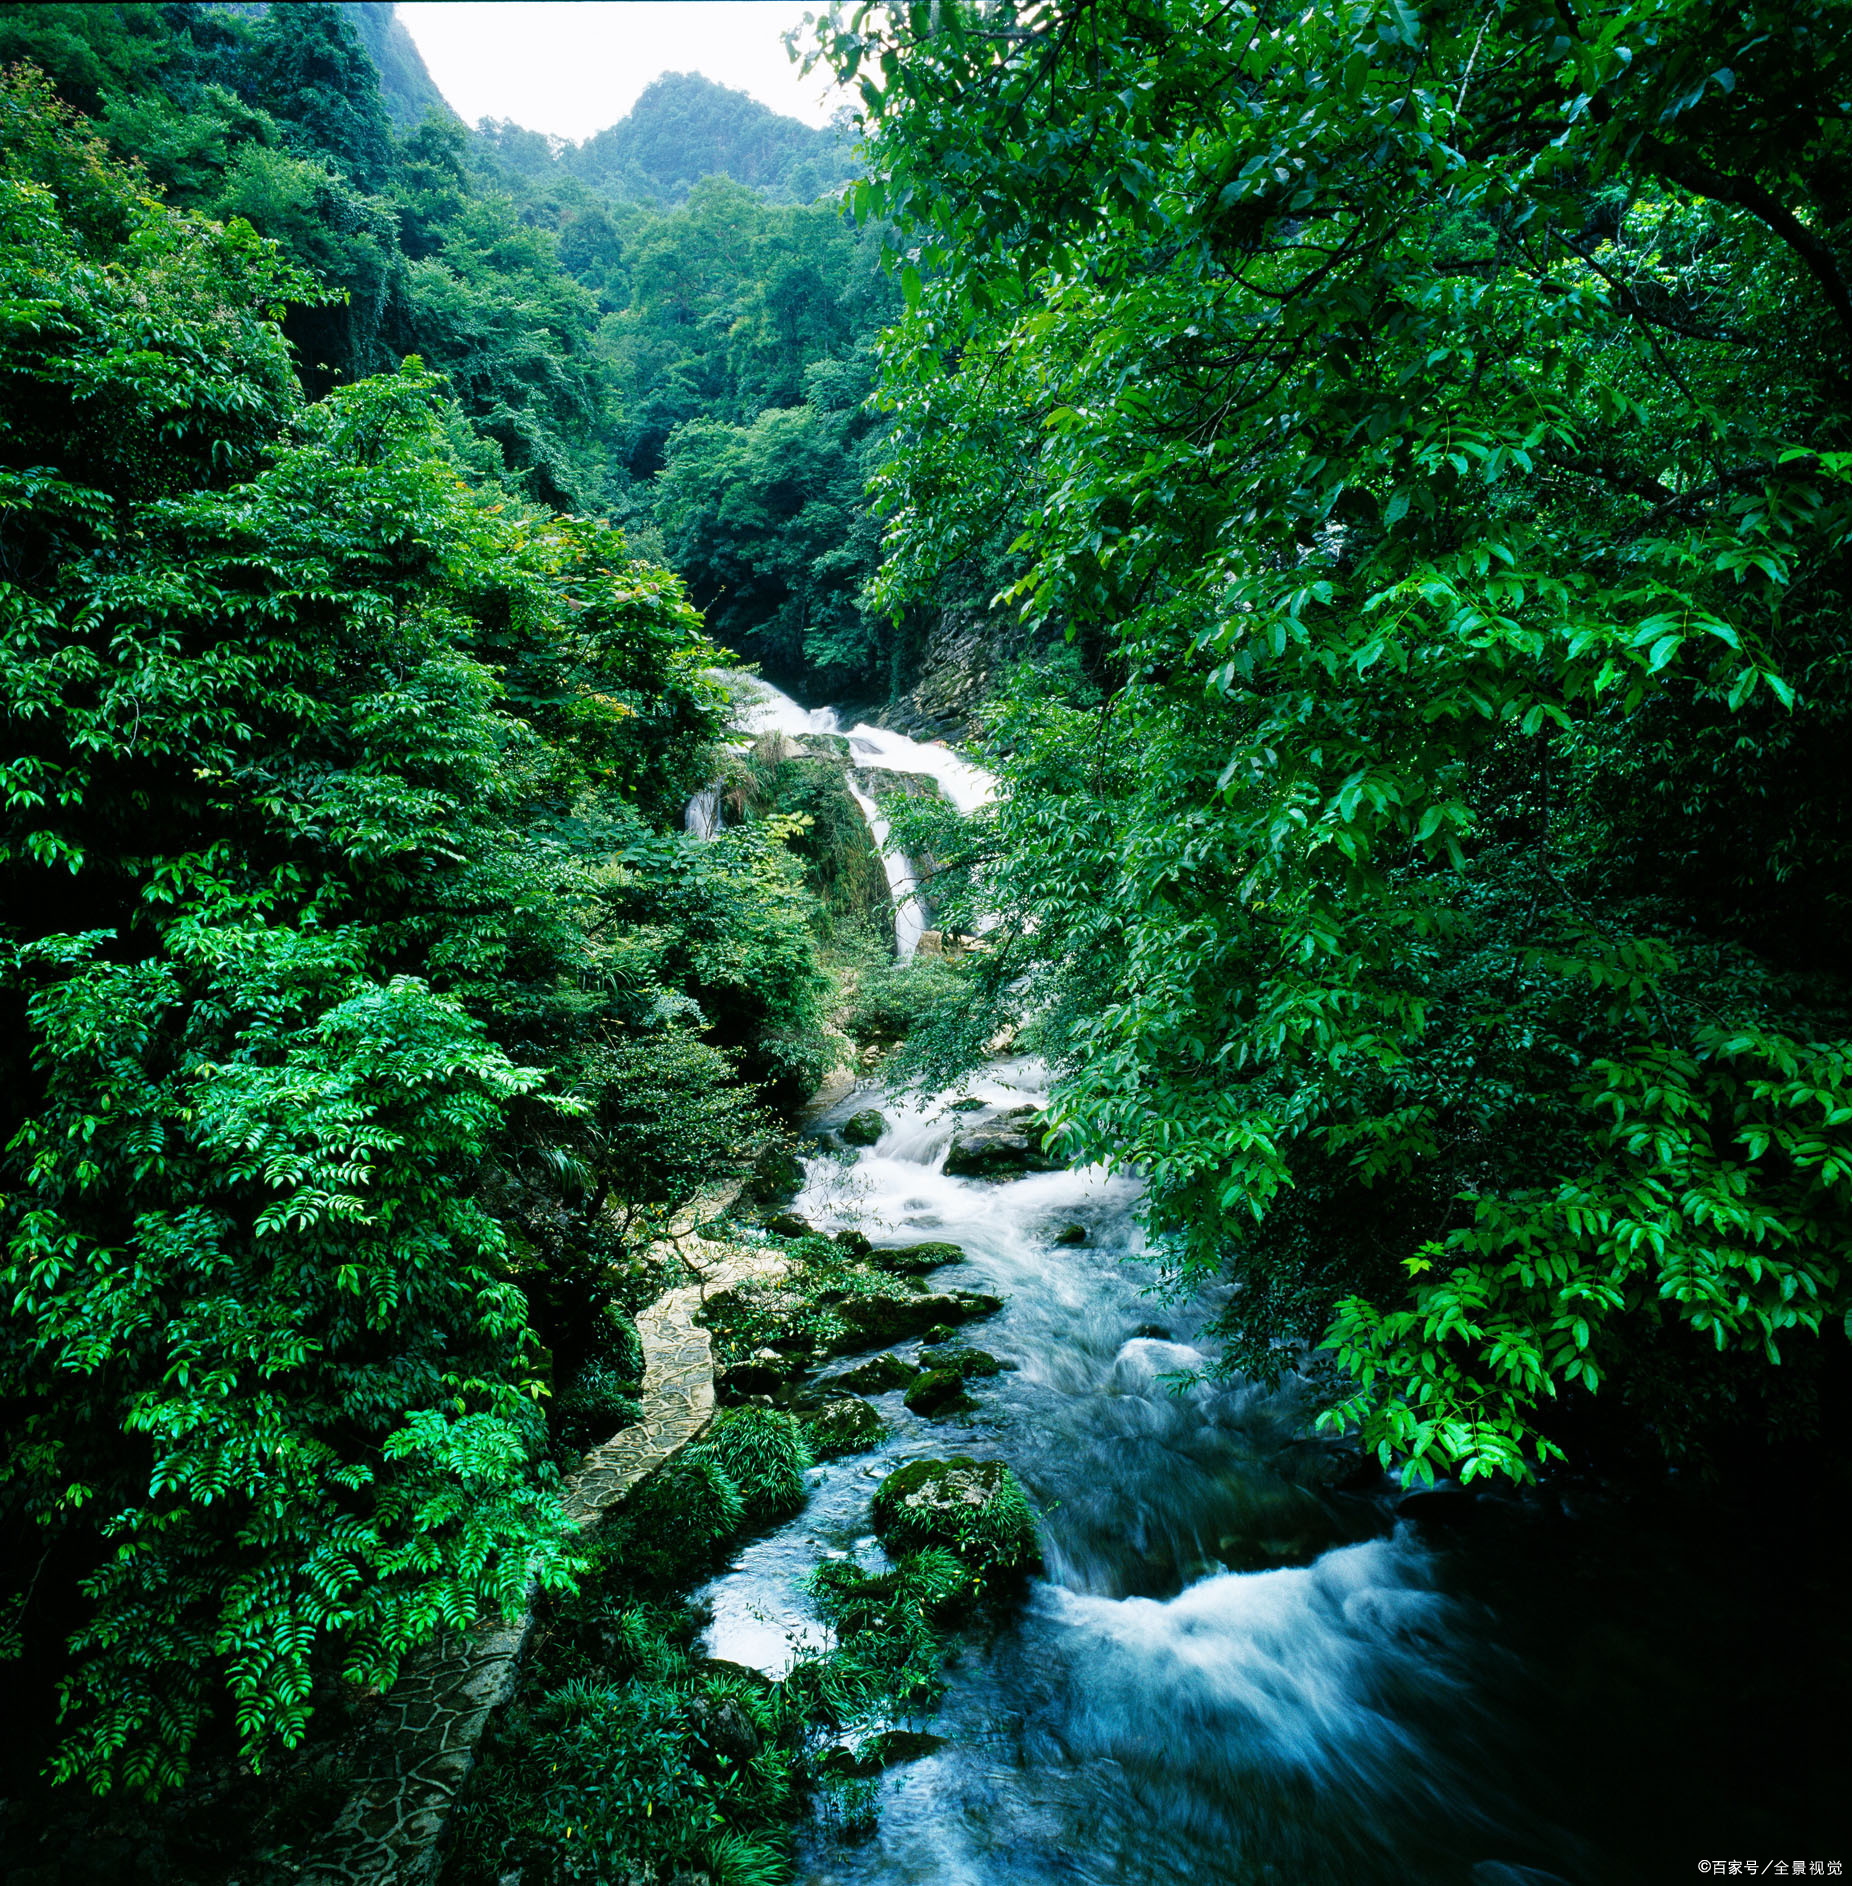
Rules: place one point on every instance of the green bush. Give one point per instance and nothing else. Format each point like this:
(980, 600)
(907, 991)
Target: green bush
(672, 1528)
(597, 1404)
(676, 1771)
(764, 1453)
(892, 998)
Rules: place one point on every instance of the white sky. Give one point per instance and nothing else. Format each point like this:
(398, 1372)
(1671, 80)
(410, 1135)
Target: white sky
(572, 67)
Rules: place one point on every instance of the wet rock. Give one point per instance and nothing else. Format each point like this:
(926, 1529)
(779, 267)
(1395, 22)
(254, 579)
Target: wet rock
(914, 1260)
(1003, 1148)
(940, 1333)
(1151, 1332)
(787, 1224)
(964, 1362)
(844, 1425)
(724, 1732)
(878, 1376)
(938, 1392)
(864, 1128)
(877, 1321)
(776, 1174)
(1071, 1234)
(1334, 1465)
(886, 1750)
(1439, 1506)
(975, 1509)
(970, 1104)
(853, 1242)
(743, 1381)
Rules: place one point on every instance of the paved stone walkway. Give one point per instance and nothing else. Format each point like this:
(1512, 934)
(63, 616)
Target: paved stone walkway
(422, 1744)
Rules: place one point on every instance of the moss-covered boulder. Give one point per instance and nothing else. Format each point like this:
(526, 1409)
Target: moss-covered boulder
(843, 1425)
(1003, 1148)
(973, 1509)
(776, 1175)
(915, 1260)
(864, 1128)
(938, 1392)
(875, 1321)
(964, 1363)
(878, 1376)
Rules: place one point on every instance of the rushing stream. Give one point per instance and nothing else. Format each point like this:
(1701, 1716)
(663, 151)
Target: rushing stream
(1241, 1663)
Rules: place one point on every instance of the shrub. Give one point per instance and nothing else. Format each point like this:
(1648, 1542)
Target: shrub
(892, 998)
(764, 1453)
(596, 1404)
(673, 1526)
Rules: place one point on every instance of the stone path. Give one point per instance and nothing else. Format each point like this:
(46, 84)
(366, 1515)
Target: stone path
(422, 1744)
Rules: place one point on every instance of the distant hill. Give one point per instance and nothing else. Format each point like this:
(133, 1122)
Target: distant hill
(408, 89)
(683, 128)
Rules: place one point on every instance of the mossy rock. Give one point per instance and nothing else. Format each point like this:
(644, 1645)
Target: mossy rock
(973, 1509)
(938, 1392)
(915, 1260)
(843, 1426)
(964, 1363)
(875, 1321)
(864, 1128)
(1071, 1234)
(884, 1750)
(878, 1376)
(853, 1241)
(1003, 1148)
(787, 1224)
(776, 1174)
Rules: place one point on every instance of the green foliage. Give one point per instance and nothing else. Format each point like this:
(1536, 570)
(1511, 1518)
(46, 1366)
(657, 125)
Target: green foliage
(891, 999)
(335, 934)
(764, 1453)
(1432, 433)
(847, 1425)
(674, 1527)
(684, 128)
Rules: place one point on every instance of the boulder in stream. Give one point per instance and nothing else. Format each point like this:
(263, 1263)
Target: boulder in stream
(915, 1260)
(938, 1392)
(973, 1508)
(877, 1376)
(845, 1424)
(864, 1128)
(877, 1321)
(1003, 1148)
(965, 1363)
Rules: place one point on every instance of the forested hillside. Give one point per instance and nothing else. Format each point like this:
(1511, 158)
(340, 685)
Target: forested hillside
(359, 989)
(580, 302)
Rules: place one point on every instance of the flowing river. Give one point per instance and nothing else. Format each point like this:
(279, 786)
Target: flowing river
(1243, 1663)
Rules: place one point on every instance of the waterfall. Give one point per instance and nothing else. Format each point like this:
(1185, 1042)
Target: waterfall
(759, 708)
(902, 883)
(702, 817)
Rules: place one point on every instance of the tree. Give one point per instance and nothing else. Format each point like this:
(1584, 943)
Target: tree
(1436, 425)
(329, 887)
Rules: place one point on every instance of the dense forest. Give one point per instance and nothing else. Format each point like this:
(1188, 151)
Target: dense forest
(1383, 476)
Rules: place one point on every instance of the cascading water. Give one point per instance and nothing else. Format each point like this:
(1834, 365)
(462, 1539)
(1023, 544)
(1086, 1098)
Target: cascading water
(1156, 1711)
(760, 708)
(903, 886)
